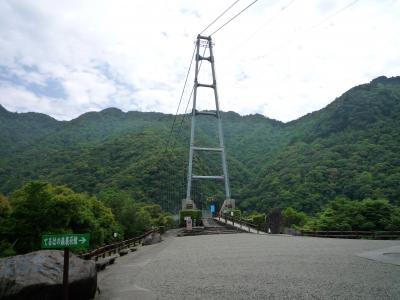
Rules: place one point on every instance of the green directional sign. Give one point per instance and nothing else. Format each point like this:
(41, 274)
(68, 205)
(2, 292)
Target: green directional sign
(61, 241)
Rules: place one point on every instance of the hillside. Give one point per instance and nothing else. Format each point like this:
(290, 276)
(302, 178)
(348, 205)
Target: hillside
(350, 148)
(19, 130)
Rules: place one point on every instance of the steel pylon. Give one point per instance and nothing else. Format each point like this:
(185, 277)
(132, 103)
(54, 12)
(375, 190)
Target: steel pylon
(204, 41)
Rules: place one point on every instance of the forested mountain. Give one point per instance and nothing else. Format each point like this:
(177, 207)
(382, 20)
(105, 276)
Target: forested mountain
(19, 130)
(351, 148)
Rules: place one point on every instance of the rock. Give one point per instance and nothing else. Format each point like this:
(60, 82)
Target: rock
(153, 238)
(102, 263)
(156, 237)
(39, 275)
(148, 240)
(123, 252)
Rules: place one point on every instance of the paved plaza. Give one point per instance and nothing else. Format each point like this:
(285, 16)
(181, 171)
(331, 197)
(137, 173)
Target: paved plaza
(251, 266)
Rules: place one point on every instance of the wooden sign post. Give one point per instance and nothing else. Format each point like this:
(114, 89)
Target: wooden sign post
(65, 241)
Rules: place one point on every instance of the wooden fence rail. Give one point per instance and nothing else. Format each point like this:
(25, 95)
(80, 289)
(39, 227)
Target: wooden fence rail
(241, 222)
(378, 235)
(110, 249)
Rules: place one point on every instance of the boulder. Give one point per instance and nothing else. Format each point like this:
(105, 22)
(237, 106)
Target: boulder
(156, 237)
(123, 252)
(102, 263)
(153, 238)
(148, 240)
(39, 275)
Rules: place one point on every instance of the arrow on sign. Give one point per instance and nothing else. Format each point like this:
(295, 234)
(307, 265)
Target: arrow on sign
(60, 241)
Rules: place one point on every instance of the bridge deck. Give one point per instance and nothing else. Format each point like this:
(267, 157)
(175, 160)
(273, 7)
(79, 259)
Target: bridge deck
(250, 266)
(210, 223)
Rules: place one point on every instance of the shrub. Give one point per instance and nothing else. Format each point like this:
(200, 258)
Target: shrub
(39, 208)
(258, 220)
(343, 215)
(6, 249)
(293, 218)
(236, 213)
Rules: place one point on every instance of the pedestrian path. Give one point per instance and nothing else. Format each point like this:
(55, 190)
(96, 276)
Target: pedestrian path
(252, 266)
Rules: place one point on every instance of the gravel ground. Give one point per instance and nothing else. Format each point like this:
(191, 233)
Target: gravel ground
(250, 266)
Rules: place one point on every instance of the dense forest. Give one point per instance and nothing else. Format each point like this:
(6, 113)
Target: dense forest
(348, 150)
(39, 208)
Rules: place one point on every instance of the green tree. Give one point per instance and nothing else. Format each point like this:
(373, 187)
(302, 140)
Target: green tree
(343, 214)
(135, 220)
(377, 214)
(6, 248)
(5, 207)
(117, 200)
(40, 208)
(293, 218)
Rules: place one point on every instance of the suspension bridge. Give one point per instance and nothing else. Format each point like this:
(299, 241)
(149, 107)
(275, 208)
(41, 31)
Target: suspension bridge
(186, 187)
(218, 255)
(226, 258)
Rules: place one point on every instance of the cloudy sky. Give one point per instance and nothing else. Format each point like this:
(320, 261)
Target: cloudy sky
(281, 58)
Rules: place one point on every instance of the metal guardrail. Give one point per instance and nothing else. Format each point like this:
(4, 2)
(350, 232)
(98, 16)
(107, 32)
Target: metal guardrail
(110, 249)
(377, 235)
(240, 222)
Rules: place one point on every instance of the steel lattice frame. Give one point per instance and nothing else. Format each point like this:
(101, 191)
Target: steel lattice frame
(203, 41)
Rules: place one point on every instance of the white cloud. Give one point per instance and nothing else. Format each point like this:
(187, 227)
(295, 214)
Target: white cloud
(28, 101)
(279, 60)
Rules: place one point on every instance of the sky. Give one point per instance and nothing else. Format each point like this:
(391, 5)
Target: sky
(280, 58)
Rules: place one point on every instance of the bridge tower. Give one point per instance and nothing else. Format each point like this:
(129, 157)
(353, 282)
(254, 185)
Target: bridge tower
(188, 203)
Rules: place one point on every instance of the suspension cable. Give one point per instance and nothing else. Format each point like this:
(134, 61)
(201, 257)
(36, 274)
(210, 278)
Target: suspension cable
(334, 14)
(187, 105)
(234, 17)
(282, 10)
(226, 23)
(219, 16)
(312, 27)
(180, 99)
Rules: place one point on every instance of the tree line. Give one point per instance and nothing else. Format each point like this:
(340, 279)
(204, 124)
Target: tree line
(39, 208)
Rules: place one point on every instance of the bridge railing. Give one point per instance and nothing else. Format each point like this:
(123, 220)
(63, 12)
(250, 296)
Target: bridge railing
(114, 248)
(241, 223)
(354, 234)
